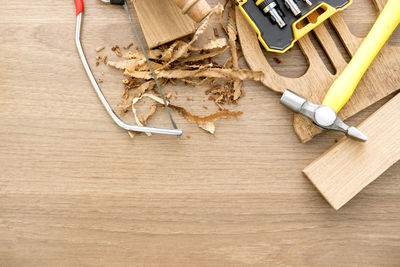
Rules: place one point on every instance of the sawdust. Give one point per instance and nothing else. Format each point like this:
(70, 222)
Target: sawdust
(116, 50)
(184, 61)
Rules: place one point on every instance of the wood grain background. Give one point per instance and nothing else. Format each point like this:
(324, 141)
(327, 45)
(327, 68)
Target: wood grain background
(76, 190)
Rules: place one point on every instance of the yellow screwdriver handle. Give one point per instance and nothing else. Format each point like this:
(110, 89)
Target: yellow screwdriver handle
(344, 86)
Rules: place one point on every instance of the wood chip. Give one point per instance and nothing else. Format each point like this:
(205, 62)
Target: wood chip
(128, 46)
(216, 33)
(100, 48)
(116, 50)
(277, 60)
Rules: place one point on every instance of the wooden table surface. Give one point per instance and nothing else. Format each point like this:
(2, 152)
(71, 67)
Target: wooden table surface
(76, 190)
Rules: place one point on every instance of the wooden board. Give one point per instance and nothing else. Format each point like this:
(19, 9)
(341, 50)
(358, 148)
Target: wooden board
(162, 21)
(380, 80)
(75, 190)
(349, 166)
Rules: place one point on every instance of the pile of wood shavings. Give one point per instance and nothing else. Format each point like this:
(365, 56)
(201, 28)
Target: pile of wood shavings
(183, 61)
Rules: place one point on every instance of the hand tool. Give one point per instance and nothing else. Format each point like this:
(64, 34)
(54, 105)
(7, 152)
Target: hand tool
(381, 80)
(79, 13)
(298, 19)
(325, 115)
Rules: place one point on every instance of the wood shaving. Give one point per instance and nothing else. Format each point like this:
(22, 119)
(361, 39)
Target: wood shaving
(128, 46)
(153, 54)
(127, 100)
(232, 35)
(240, 74)
(201, 82)
(216, 33)
(217, 43)
(208, 127)
(206, 122)
(200, 30)
(204, 56)
(143, 121)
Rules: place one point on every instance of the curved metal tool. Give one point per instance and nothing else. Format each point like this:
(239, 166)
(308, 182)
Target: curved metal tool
(79, 13)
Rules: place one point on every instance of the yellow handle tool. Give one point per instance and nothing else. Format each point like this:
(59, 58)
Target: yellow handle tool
(344, 86)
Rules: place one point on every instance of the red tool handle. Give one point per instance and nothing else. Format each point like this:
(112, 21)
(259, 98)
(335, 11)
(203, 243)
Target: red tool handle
(79, 6)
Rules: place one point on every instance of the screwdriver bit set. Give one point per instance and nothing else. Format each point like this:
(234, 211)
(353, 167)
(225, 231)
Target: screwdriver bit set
(280, 23)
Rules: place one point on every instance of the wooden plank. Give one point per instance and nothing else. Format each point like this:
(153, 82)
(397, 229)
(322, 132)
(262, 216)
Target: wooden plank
(162, 21)
(349, 166)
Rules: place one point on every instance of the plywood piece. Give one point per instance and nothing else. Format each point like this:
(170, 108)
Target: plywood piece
(380, 80)
(162, 21)
(349, 166)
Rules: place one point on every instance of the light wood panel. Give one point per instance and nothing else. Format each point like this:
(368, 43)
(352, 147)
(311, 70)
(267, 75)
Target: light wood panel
(75, 190)
(348, 167)
(162, 21)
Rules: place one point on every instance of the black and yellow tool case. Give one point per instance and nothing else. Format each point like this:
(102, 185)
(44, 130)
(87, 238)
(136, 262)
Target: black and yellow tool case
(280, 23)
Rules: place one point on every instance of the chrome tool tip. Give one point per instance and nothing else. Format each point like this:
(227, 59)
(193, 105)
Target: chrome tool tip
(357, 134)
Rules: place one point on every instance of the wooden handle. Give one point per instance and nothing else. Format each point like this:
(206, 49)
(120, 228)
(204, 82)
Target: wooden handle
(196, 9)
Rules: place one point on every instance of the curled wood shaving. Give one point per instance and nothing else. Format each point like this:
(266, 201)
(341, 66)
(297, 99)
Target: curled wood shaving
(153, 54)
(213, 44)
(204, 56)
(152, 111)
(203, 26)
(206, 122)
(167, 54)
(126, 102)
(143, 121)
(201, 82)
(232, 35)
(240, 74)
(133, 64)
